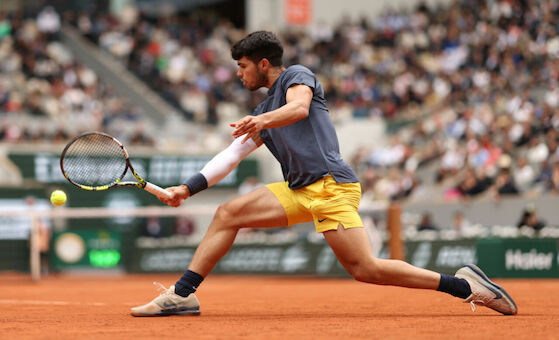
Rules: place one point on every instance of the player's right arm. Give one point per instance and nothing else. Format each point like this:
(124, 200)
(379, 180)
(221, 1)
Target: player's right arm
(298, 101)
(214, 171)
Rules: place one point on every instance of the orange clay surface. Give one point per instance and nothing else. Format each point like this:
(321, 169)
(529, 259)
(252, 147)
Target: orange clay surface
(248, 307)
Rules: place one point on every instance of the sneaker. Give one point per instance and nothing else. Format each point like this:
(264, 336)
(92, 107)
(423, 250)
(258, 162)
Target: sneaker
(485, 292)
(168, 303)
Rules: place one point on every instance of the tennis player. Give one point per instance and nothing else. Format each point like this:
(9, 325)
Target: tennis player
(294, 124)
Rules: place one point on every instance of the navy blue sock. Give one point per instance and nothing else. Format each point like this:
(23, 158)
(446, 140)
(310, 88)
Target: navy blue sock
(188, 283)
(454, 286)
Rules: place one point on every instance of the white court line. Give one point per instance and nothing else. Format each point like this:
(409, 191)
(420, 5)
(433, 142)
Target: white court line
(54, 303)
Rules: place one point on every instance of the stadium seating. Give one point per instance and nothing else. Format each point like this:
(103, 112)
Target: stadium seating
(473, 87)
(46, 94)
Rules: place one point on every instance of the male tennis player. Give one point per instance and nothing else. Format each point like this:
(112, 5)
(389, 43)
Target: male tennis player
(294, 123)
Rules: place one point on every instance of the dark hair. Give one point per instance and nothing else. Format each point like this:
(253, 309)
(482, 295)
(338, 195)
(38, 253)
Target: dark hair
(258, 45)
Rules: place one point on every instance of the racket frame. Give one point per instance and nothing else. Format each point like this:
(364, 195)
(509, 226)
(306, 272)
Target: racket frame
(118, 183)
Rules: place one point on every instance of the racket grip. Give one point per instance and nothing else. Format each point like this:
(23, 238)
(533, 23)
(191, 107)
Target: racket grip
(157, 191)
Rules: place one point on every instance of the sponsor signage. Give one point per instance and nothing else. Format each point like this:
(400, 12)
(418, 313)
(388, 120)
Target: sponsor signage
(160, 170)
(519, 257)
(86, 249)
(303, 258)
(91, 249)
(441, 256)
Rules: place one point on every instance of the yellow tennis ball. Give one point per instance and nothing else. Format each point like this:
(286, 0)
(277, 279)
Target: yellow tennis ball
(58, 197)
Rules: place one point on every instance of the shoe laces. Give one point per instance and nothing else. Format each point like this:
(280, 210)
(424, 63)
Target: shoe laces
(478, 299)
(161, 287)
(473, 304)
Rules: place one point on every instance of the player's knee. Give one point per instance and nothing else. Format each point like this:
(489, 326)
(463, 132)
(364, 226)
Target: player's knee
(226, 215)
(363, 275)
(358, 274)
(367, 272)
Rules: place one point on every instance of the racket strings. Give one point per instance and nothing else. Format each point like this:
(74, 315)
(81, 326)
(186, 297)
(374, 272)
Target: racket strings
(94, 160)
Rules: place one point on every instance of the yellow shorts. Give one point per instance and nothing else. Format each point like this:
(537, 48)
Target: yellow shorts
(325, 202)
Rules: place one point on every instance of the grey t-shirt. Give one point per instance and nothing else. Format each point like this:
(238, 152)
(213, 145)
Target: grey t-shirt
(308, 149)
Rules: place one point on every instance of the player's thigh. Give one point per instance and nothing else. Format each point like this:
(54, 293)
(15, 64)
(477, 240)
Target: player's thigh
(257, 209)
(351, 246)
(291, 200)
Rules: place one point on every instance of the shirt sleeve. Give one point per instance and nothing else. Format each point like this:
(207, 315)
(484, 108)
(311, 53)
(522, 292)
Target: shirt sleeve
(298, 76)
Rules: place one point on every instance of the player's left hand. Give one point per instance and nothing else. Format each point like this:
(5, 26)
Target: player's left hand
(250, 125)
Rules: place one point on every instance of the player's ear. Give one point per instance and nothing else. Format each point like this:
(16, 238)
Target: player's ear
(264, 65)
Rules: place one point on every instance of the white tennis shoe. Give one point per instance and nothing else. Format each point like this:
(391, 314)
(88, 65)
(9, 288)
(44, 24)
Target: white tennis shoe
(168, 303)
(485, 292)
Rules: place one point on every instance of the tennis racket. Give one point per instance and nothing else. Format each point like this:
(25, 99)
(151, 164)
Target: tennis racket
(96, 161)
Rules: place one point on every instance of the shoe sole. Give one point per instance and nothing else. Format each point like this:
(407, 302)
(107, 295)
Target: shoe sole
(479, 274)
(192, 312)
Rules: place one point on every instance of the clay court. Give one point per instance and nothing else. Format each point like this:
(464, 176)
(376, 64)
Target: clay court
(246, 307)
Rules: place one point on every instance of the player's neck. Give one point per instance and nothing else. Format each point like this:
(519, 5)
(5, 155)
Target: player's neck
(273, 74)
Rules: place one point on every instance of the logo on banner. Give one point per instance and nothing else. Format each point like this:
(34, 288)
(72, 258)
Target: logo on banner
(531, 260)
(294, 259)
(422, 255)
(455, 256)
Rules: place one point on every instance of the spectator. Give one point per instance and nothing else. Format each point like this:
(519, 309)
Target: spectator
(530, 219)
(48, 22)
(537, 151)
(544, 176)
(504, 184)
(472, 185)
(44, 232)
(459, 223)
(553, 184)
(426, 223)
(524, 175)
(451, 162)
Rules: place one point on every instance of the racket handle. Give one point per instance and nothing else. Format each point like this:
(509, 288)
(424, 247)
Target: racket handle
(157, 191)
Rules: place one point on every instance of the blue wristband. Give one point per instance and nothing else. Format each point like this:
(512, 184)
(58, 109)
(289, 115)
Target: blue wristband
(196, 183)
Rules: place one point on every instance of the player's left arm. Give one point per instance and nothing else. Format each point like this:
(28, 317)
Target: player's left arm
(298, 101)
(213, 172)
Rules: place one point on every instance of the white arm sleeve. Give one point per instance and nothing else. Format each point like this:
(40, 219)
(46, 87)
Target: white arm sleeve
(225, 161)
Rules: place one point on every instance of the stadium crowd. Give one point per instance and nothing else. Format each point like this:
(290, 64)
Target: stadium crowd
(45, 93)
(477, 82)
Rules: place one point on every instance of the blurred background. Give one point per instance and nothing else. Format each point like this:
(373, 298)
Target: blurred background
(448, 111)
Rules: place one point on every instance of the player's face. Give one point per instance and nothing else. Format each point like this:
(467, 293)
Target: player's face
(251, 76)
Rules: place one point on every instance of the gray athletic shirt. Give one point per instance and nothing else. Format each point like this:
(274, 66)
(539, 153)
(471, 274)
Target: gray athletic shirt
(308, 149)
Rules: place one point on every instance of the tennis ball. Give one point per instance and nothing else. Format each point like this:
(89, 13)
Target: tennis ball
(58, 197)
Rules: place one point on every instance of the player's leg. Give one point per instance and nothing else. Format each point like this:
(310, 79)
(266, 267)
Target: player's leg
(336, 204)
(352, 249)
(257, 209)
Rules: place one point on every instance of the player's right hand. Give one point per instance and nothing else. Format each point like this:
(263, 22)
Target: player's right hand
(178, 195)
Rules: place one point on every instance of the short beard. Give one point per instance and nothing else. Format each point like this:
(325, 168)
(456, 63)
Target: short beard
(262, 80)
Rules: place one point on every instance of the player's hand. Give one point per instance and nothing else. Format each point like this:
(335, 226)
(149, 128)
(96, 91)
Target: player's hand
(178, 195)
(249, 125)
